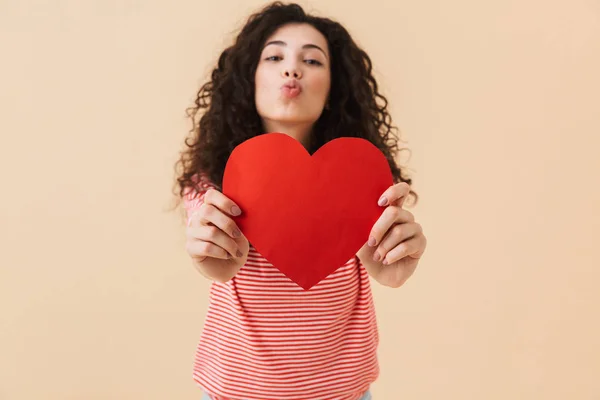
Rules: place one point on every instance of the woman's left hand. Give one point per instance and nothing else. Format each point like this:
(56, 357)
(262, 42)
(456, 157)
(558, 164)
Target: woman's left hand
(396, 240)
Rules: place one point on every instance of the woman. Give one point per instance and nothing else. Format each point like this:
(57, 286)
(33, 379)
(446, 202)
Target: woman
(264, 337)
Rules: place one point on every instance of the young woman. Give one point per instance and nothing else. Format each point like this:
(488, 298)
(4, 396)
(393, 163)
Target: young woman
(264, 337)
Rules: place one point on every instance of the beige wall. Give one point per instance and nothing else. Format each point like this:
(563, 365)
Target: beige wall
(499, 102)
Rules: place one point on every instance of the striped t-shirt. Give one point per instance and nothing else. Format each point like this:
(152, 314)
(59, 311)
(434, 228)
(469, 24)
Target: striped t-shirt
(266, 338)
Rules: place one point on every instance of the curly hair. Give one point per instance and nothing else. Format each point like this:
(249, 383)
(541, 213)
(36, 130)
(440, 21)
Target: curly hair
(230, 116)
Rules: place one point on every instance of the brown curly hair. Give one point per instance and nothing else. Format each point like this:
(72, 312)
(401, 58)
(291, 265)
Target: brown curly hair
(231, 117)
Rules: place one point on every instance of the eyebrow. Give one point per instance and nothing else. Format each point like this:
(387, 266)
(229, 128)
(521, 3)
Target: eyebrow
(306, 46)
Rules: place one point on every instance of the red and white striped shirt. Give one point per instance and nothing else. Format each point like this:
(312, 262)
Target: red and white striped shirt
(266, 338)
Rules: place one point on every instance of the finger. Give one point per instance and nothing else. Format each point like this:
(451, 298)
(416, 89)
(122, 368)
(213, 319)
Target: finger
(199, 248)
(404, 249)
(393, 193)
(211, 215)
(222, 202)
(396, 235)
(210, 233)
(389, 216)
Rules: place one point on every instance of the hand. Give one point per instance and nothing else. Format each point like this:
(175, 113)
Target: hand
(214, 240)
(396, 240)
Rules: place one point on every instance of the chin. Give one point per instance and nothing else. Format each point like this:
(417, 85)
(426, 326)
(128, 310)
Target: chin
(290, 120)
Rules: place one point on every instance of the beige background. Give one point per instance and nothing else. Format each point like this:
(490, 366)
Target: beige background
(498, 101)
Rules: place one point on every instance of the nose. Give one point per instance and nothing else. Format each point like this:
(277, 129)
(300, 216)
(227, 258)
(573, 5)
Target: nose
(291, 72)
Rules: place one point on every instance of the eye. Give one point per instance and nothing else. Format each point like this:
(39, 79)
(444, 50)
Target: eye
(310, 61)
(315, 62)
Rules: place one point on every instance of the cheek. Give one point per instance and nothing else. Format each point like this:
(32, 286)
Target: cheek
(263, 81)
(260, 88)
(321, 84)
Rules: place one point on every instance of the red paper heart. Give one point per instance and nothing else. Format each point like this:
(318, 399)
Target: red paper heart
(306, 215)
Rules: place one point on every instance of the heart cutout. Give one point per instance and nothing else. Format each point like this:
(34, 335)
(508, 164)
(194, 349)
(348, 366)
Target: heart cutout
(307, 215)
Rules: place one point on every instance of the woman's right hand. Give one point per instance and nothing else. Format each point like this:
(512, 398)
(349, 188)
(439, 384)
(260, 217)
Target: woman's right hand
(216, 245)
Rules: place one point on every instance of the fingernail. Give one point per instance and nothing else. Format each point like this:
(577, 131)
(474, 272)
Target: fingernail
(237, 233)
(239, 254)
(385, 262)
(235, 210)
(372, 241)
(382, 201)
(376, 257)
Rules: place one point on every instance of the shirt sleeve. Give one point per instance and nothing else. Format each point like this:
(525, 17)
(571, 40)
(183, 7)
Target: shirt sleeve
(194, 197)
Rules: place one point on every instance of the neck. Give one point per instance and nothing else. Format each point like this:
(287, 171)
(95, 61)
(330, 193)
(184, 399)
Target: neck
(299, 131)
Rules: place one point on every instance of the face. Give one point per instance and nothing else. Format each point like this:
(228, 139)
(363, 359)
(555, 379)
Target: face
(295, 53)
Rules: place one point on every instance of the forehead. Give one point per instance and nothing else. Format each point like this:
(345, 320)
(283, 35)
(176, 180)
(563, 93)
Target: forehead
(297, 35)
